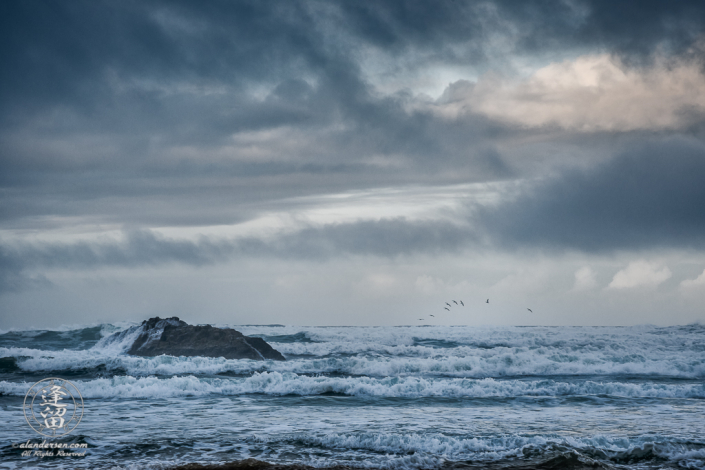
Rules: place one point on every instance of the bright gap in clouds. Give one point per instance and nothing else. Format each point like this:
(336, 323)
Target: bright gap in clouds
(413, 203)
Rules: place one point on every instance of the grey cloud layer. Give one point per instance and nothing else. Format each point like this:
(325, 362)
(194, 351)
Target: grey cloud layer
(188, 113)
(107, 102)
(650, 196)
(145, 76)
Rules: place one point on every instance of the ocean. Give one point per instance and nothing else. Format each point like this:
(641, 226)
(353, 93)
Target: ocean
(407, 397)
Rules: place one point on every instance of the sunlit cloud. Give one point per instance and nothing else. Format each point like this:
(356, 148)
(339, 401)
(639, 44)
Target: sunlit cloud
(640, 273)
(588, 94)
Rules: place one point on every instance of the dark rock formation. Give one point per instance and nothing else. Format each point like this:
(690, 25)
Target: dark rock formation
(174, 337)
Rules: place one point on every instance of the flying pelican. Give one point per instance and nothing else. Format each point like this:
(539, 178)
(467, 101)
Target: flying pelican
(530, 310)
(456, 303)
(433, 316)
(461, 303)
(420, 319)
(447, 308)
(448, 304)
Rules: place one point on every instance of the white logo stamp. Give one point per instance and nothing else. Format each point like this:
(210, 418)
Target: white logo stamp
(53, 407)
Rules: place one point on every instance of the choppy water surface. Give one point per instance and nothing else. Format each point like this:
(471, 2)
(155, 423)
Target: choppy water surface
(382, 397)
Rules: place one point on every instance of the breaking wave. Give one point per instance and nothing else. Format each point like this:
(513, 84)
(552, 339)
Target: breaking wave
(276, 383)
(382, 397)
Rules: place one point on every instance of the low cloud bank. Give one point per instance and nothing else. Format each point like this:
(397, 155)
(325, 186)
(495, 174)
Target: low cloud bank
(385, 237)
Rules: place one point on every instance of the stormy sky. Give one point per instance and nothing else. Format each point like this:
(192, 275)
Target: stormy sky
(352, 163)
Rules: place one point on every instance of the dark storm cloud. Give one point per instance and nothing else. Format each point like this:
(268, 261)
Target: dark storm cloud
(60, 50)
(637, 28)
(68, 52)
(99, 98)
(651, 196)
(126, 111)
(632, 29)
(64, 52)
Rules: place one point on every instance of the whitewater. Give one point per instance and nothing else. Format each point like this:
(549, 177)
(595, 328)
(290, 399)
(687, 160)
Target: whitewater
(402, 397)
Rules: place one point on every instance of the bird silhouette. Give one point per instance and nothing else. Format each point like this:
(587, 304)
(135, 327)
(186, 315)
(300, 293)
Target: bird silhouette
(456, 303)
(488, 301)
(461, 303)
(420, 319)
(530, 310)
(447, 308)
(448, 304)
(433, 316)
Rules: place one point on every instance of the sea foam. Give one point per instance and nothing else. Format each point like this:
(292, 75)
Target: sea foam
(276, 383)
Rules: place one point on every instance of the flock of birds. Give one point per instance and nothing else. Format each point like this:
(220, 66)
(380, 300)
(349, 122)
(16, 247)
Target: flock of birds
(461, 304)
